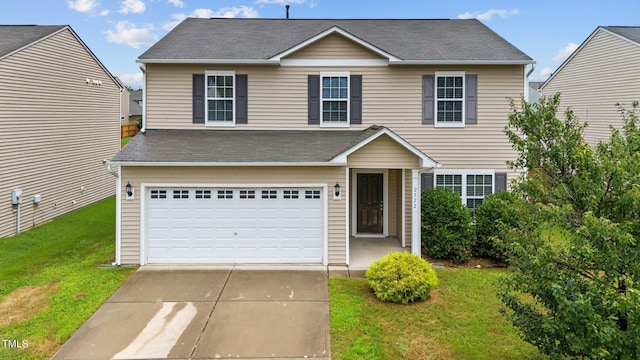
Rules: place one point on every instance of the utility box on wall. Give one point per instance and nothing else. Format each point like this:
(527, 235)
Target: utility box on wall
(16, 196)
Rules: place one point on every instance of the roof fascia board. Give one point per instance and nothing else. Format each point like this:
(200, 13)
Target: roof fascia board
(334, 29)
(461, 62)
(221, 163)
(209, 61)
(567, 60)
(426, 162)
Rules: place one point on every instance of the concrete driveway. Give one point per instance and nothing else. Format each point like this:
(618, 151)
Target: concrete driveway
(209, 314)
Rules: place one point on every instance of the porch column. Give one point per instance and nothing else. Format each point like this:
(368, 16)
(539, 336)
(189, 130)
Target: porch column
(415, 213)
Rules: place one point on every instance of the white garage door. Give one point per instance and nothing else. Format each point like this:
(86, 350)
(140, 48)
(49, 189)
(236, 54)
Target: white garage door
(212, 225)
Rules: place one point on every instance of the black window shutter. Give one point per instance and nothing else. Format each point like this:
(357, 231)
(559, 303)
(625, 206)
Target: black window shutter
(428, 88)
(427, 181)
(313, 92)
(471, 99)
(356, 99)
(500, 181)
(198, 98)
(241, 99)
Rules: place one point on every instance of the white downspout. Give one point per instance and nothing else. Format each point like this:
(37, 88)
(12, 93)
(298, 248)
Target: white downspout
(526, 81)
(143, 68)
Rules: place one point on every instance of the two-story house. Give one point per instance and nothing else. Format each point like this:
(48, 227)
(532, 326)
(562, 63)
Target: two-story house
(281, 140)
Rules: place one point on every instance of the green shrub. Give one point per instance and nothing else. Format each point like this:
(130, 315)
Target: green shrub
(446, 226)
(401, 278)
(495, 216)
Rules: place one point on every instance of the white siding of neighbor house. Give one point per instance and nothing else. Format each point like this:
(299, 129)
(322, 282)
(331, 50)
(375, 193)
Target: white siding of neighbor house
(131, 212)
(602, 73)
(55, 130)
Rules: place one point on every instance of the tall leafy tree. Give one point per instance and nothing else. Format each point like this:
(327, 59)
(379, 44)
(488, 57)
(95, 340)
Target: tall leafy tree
(575, 295)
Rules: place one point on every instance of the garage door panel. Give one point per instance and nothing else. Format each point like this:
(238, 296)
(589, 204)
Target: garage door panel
(235, 226)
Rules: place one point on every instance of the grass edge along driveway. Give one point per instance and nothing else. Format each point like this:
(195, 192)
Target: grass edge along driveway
(461, 320)
(52, 281)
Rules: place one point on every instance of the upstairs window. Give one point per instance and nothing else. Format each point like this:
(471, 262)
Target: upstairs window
(220, 93)
(334, 93)
(449, 98)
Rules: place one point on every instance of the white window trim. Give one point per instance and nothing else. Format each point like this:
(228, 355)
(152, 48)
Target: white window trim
(333, 124)
(208, 122)
(464, 173)
(443, 124)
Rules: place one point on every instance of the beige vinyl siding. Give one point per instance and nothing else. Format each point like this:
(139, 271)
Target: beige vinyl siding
(382, 153)
(604, 72)
(131, 212)
(55, 130)
(334, 46)
(391, 96)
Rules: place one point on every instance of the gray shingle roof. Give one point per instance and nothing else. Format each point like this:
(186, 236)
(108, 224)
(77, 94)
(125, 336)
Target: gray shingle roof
(630, 32)
(261, 39)
(238, 146)
(14, 37)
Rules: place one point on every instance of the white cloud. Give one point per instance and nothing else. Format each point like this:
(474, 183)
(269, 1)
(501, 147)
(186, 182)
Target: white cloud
(565, 52)
(83, 6)
(132, 6)
(542, 75)
(131, 35)
(233, 12)
(226, 12)
(133, 80)
(487, 15)
(176, 3)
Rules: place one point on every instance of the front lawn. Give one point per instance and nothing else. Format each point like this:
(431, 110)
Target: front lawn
(51, 279)
(461, 320)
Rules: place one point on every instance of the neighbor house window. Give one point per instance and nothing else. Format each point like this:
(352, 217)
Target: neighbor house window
(220, 92)
(449, 99)
(334, 96)
(472, 186)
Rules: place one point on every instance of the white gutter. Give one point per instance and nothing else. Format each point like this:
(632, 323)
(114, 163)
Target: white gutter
(210, 61)
(221, 164)
(461, 62)
(278, 62)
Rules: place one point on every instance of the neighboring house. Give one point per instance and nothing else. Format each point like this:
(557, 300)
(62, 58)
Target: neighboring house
(601, 72)
(277, 141)
(59, 109)
(534, 91)
(135, 106)
(124, 102)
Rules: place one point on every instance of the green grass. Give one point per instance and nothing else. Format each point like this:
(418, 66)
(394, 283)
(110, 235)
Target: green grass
(125, 140)
(59, 261)
(461, 320)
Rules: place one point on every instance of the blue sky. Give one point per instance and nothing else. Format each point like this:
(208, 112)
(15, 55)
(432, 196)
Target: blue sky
(118, 31)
